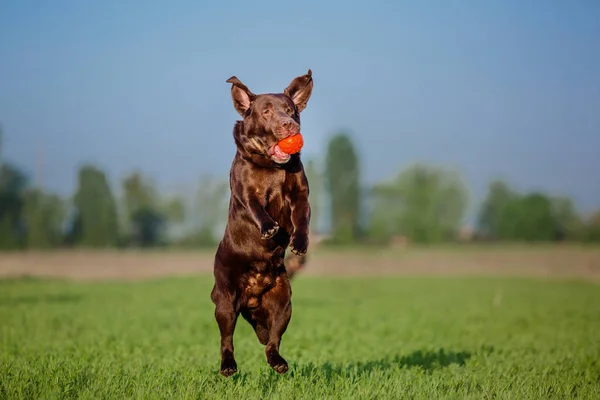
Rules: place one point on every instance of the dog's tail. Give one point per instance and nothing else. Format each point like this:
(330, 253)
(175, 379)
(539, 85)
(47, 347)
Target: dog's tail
(294, 263)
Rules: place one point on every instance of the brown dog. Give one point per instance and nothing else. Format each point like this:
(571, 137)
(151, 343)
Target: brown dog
(268, 211)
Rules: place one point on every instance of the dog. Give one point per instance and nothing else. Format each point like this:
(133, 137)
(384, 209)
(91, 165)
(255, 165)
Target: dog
(269, 211)
(294, 263)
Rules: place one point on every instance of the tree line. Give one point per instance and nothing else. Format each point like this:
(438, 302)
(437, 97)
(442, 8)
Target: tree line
(428, 204)
(423, 203)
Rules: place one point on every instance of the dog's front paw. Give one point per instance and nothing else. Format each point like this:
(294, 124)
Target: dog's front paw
(299, 244)
(268, 229)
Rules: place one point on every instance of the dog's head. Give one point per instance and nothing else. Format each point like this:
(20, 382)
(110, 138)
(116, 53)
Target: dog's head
(269, 117)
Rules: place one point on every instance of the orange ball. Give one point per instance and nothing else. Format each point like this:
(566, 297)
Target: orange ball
(291, 144)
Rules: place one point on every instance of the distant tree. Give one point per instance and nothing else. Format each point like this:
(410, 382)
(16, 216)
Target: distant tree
(591, 229)
(315, 183)
(174, 209)
(498, 197)
(144, 213)
(138, 193)
(96, 218)
(425, 203)
(529, 218)
(44, 216)
(512, 216)
(13, 183)
(210, 211)
(342, 180)
(175, 213)
(1, 143)
(148, 224)
(569, 223)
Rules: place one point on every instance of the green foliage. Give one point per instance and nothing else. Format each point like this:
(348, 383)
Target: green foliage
(13, 184)
(490, 218)
(414, 338)
(210, 211)
(139, 194)
(570, 223)
(201, 237)
(29, 217)
(96, 219)
(342, 180)
(511, 216)
(146, 221)
(148, 225)
(44, 215)
(425, 203)
(315, 183)
(174, 209)
(591, 229)
(528, 218)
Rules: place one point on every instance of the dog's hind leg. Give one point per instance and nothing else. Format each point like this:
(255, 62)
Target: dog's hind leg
(260, 328)
(226, 316)
(276, 312)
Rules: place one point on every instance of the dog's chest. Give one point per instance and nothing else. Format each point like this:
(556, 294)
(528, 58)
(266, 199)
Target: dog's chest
(278, 196)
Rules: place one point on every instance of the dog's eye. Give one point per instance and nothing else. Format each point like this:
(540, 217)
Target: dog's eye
(290, 111)
(266, 111)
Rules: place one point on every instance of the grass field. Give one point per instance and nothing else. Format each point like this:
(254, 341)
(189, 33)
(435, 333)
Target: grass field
(349, 338)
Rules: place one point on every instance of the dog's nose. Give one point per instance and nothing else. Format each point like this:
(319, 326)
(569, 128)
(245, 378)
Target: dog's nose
(288, 125)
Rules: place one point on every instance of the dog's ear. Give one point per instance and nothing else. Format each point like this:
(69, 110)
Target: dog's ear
(300, 90)
(241, 95)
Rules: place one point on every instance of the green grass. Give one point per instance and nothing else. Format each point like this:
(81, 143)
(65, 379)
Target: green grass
(348, 338)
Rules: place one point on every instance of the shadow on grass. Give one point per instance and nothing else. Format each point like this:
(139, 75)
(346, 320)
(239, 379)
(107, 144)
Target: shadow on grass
(43, 299)
(428, 361)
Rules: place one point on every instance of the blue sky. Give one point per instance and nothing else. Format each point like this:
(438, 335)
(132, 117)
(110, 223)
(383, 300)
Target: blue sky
(507, 89)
